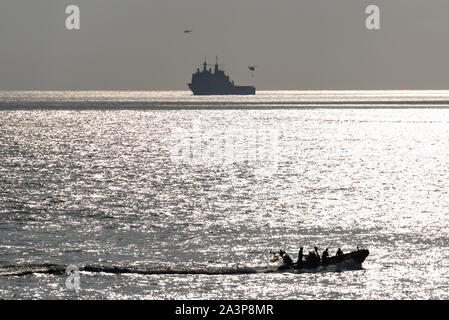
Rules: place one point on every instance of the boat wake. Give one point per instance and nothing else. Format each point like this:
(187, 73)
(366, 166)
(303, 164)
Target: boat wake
(53, 269)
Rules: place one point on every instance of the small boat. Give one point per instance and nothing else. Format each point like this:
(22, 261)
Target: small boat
(356, 257)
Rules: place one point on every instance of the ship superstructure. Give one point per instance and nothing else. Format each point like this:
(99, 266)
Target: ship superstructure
(206, 82)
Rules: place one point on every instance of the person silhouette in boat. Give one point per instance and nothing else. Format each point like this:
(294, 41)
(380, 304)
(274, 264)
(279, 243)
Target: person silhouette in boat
(325, 256)
(317, 255)
(312, 259)
(300, 256)
(339, 252)
(285, 258)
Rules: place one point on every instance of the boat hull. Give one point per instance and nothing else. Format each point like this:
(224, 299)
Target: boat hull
(356, 257)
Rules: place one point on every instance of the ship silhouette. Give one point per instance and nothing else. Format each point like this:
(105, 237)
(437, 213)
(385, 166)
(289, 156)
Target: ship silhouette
(206, 82)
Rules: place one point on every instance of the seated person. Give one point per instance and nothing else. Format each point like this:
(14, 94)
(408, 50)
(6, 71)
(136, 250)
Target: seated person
(312, 259)
(317, 255)
(285, 258)
(325, 255)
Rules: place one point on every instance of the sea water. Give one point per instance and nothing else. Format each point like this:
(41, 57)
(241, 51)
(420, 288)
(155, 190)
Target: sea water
(163, 195)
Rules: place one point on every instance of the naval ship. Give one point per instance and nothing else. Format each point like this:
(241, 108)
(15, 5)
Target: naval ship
(206, 82)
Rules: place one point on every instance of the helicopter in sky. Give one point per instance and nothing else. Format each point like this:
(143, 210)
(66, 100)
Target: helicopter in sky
(252, 68)
(188, 31)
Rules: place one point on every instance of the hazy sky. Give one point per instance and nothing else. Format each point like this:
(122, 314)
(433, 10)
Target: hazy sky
(296, 44)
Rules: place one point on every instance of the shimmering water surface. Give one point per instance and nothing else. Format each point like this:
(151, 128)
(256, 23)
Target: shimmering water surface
(157, 180)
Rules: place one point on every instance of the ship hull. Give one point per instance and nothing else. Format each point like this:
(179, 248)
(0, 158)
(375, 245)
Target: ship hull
(236, 90)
